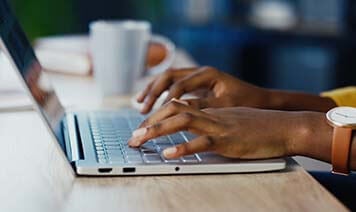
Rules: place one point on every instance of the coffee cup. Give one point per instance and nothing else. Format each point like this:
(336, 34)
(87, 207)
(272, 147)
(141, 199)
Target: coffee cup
(119, 51)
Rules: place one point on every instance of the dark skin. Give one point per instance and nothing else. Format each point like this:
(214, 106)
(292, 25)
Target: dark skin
(156, 54)
(218, 89)
(226, 128)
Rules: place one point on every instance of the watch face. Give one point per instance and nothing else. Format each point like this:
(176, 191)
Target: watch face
(342, 117)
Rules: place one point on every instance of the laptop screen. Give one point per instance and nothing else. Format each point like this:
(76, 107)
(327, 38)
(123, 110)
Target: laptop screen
(21, 54)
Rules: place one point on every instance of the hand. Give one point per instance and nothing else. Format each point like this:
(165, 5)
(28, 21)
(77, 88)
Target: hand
(243, 133)
(155, 55)
(215, 89)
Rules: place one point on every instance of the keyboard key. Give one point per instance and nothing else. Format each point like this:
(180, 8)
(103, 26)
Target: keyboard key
(114, 152)
(164, 146)
(113, 147)
(177, 138)
(116, 160)
(101, 156)
(111, 143)
(110, 137)
(117, 147)
(189, 136)
(97, 144)
(102, 161)
(131, 151)
(98, 138)
(148, 151)
(100, 152)
(98, 148)
(152, 158)
(149, 145)
(162, 140)
(190, 159)
(134, 159)
(172, 161)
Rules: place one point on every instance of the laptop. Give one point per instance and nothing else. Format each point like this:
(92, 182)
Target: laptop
(95, 142)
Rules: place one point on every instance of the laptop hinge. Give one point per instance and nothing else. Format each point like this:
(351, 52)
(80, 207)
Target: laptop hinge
(74, 138)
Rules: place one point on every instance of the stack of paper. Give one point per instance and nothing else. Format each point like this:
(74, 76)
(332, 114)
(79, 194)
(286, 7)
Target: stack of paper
(64, 54)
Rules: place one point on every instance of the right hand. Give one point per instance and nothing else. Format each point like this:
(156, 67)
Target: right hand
(239, 132)
(156, 54)
(215, 89)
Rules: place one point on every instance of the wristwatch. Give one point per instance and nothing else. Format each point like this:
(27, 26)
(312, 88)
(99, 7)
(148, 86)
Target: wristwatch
(343, 119)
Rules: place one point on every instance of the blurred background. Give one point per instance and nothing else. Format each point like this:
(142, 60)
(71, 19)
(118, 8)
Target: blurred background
(304, 45)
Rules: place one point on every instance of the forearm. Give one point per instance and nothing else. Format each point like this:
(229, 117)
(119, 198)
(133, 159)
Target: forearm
(353, 152)
(313, 138)
(283, 100)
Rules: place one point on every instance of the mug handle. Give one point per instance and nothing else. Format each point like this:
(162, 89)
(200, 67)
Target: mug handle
(170, 56)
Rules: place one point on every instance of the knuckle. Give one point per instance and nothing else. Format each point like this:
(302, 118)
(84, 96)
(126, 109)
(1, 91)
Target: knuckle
(145, 122)
(187, 117)
(173, 106)
(166, 76)
(210, 69)
(210, 142)
(155, 128)
(169, 74)
(178, 86)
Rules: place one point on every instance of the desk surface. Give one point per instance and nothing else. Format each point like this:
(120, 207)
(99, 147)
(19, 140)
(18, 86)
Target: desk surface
(34, 176)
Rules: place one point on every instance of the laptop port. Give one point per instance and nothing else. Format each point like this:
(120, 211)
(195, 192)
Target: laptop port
(105, 170)
(129, 170)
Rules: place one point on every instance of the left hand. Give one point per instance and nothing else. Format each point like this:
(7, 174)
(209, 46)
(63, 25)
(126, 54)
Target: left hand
(243, 133)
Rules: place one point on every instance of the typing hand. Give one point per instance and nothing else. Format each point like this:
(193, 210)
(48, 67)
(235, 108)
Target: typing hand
(232, 132)
(214, 88)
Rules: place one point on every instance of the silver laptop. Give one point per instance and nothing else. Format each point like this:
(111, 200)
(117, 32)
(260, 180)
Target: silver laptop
(95, 143)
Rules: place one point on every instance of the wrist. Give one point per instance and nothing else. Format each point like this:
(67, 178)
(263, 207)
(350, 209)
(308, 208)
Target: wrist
(312, 136)
(282, 100)
(274, 99)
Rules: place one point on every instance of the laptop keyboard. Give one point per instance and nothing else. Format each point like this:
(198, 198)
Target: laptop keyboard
(111, 132)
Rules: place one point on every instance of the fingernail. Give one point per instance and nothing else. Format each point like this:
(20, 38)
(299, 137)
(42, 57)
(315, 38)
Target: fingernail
(132, 143)
(180, 101)
(139, 132)
(143, 109)
(169, 152)
(139, 96)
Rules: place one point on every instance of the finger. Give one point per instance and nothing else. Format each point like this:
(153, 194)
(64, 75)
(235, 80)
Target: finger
(141, 97)
(200, 144)
(181, 122)
(202, 78)
(161, 84)
(156, 90)
(201, 103)
(210, 102)
(170, 109)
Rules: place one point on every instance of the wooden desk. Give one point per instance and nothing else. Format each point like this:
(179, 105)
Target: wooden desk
(35, 178)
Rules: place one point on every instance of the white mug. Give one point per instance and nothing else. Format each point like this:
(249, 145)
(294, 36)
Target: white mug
(119, 49)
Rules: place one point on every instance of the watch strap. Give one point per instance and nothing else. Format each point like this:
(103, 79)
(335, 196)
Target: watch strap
(341, 150)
